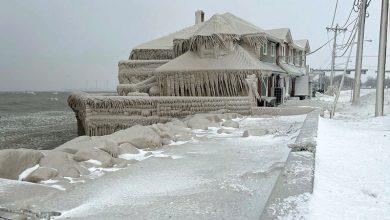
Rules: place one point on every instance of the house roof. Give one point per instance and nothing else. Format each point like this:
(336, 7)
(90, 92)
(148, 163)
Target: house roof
(166, 42)
(237, 59)
(225, 22)
(293, 70)
(303, 44)
(281, 33)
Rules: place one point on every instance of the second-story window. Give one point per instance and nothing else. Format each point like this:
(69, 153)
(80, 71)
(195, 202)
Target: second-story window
(283, 53)
(273, 49)
(264, 48)
(291, 56)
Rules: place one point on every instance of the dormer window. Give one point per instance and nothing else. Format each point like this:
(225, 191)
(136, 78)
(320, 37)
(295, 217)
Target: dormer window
(273, 49)
(264, 48)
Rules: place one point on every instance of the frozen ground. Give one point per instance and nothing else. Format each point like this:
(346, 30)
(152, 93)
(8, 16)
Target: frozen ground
(213, 176)
(352, 161)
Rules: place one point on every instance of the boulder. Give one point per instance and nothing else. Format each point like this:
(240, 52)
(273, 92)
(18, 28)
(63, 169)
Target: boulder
(63, 163)
(15, 161)
(94, 154)
(109, 147)
(127, 148)
(201, 122)
(224, 131)
(120, 163)
(231, 124)
(255, 132)
(139, 136)
(41, 174)
(79, 143)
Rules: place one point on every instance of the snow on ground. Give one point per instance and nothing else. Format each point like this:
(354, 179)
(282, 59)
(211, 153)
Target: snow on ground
(351, 177)
(352, 160)
(212, 176)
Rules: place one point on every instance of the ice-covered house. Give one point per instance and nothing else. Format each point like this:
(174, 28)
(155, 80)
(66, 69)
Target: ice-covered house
(279, 58)
(224, 63)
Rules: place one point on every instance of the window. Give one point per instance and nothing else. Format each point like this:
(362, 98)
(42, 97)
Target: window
(264, 48)
(282, 52)
(291, 56)
(273, 49)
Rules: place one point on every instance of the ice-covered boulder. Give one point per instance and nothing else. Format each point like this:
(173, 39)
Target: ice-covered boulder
(63, 163)
(231, 124)
(94, 154)
(255, 132)
(79, 143)
(201, 122)
(139, 136)
(15, 161)
(127, 148)
(41, 174)
(224, 131)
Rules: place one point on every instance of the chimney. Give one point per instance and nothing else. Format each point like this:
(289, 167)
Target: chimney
(199, 16)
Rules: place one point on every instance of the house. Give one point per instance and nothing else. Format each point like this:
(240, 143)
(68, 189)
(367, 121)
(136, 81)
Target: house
(221, 64)
(280, 59)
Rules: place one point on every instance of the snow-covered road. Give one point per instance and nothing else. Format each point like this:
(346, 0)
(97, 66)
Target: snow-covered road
(214, 176)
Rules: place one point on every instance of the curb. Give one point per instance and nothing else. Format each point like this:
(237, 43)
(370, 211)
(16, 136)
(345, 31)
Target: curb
(297, 177)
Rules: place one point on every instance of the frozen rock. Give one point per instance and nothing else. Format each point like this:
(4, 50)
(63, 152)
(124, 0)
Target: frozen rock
(231, 124)
(41, 174)
(79, 143)
(224, 131)
(62, 162)
(255, 132)
(15, 161)
(111, 148)
(140, 136)
(127, 148)
(94, 154)
(148, 154)
(120, 163)
(200, 122)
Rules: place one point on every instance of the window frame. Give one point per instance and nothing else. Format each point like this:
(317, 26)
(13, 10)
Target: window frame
(273, 49)
(264, 48)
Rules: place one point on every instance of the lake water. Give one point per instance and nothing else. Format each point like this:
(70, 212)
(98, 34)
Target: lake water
(36, 120)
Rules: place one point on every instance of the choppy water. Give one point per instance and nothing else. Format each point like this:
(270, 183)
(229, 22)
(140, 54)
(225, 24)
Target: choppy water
(36, 120)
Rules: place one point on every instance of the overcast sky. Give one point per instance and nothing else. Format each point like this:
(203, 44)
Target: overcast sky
(70, 45)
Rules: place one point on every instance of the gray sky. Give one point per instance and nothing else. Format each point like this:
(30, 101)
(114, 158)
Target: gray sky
(69, 45)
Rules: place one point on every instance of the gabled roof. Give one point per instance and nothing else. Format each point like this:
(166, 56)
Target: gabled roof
(226, 22)
(281, 33)
(238, 59)
(166, 42)
(303, 44)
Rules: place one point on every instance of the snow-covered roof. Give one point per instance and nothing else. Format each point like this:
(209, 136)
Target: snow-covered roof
(303, 44)
(166, 42)
(237, 59)
(293, 70)
(225, 22)
(281, 33)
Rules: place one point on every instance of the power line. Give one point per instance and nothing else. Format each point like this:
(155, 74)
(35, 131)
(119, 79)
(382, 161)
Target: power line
(334, 14)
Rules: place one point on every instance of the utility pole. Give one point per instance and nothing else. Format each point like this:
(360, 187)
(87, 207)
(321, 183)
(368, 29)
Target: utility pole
(359, 52)
(336, 30)
(381, 60)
